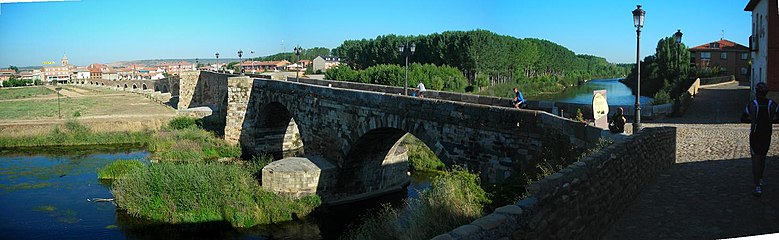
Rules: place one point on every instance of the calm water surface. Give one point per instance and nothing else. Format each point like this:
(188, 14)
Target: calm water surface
(44, 196)
(617, 93)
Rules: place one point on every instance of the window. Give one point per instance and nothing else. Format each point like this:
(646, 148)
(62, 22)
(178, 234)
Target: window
(705, 55)
(723, 56)
(723, 69)
(744, 56)
(743, 71)
(714, 45)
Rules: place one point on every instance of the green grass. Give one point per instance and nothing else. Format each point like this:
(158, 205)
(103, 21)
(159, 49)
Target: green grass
(25, 92)
(420, 157)
(119, 169)
(205, 192)
(76, 134)
(190, 145)
(454, 199)
(46, 108)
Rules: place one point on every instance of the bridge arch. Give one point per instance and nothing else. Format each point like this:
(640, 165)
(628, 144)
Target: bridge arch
(143, 86)
(376, 161)
(134, 86)
(275, 132)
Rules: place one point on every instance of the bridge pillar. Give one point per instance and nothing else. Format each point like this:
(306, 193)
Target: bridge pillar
(238, 93)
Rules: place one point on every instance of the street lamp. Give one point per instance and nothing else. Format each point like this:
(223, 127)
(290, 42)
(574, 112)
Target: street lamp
(197, 64)
(217, 62)
(407, 51)
(678, 38)
(240, 61)
(58, 101)
(638, 22)
(298, 50)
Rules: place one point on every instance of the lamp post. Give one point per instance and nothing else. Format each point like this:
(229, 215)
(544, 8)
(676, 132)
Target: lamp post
(638, 22)
(298, 50)
(407, 51)
(197, 64)
(240, 61)
(678, 39)
(59, 112)
(217, 62)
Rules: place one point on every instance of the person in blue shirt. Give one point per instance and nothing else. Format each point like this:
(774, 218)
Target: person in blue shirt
(518, 101)
(760, 113)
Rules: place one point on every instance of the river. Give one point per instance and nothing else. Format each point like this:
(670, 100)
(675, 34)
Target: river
(617, 93)
(45, 196)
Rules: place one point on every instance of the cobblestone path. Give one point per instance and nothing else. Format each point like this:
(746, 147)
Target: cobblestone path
(707, 193)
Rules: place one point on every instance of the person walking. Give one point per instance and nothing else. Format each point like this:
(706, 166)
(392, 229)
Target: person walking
(760, 113)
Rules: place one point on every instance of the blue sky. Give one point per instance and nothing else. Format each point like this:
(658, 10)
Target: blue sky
(105, 31)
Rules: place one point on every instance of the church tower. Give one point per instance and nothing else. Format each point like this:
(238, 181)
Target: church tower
(64, 60)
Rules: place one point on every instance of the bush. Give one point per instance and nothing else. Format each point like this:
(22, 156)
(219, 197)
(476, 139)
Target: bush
(183, 122)
(454, 199)
(420, 158)
(119, 169)
(197, 193)
(190, 145)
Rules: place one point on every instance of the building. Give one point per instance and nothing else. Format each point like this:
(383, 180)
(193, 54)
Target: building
(96, 70)
(110, 74)
(263, 66)
(321, 63)
(764, 44)
(731, 58)
(6, 74)
(34, 75)
(176, 67)
(82, 73)
(60, 74)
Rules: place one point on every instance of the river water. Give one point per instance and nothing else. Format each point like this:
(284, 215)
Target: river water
(44, 196)
(617, 93)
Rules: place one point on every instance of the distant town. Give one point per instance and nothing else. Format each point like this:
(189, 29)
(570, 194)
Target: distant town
(155, 70)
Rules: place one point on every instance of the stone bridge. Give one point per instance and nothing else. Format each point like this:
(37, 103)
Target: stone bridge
(165, 85)
(352, 132)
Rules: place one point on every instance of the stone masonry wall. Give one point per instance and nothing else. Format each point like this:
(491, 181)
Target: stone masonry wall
(205, 89)
(584, 199)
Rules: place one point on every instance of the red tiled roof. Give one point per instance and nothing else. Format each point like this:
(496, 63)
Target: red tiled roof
(723, 45)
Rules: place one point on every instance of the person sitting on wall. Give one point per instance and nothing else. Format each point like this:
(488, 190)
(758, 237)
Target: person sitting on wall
(421, 89)
(617, 122)
(518, 101)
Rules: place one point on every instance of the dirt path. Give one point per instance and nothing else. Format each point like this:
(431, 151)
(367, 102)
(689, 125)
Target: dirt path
(707, 193)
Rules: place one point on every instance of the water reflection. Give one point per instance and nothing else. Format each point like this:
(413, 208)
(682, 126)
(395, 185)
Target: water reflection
(44, 196)
(617, 93)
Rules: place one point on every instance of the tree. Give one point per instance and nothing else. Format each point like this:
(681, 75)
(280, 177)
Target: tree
(12, 67)
(667, 70)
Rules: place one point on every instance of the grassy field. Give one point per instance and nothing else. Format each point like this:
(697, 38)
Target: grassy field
(91, 104)
(25, 92)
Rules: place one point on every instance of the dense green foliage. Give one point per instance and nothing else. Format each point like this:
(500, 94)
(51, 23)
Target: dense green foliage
(665, 74)
(183, 122)
(75, 134)
(16, 82)
(307, 54)
(454, 199)
(420, 158)
(479, 52)
(119, 169)
(26, 92)
(204, 192)
(190, 145)
(434, 77)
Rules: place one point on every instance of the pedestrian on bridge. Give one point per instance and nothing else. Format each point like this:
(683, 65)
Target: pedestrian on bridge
(518, 101)
(761, 112)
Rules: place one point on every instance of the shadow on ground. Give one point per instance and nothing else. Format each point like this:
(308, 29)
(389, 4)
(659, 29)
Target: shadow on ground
(704, 199)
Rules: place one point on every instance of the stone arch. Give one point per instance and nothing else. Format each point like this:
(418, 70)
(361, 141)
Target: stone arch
(375, 162)
(134, 86)
(102, 84)
(275, 132)
(125, 85)
(118, 86)
(143, 86)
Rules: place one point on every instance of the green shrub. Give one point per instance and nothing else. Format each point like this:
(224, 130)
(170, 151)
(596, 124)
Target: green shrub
(190, 145)
(420, 158)
(179, 123)
(203, 192)
(454, 199)
(119, 169)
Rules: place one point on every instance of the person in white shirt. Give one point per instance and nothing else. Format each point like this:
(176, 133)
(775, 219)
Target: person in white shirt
(421, 89)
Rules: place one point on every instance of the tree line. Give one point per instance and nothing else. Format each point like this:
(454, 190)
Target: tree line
(484, 58)
(666, 74)
(306, 54)
(441, 78)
